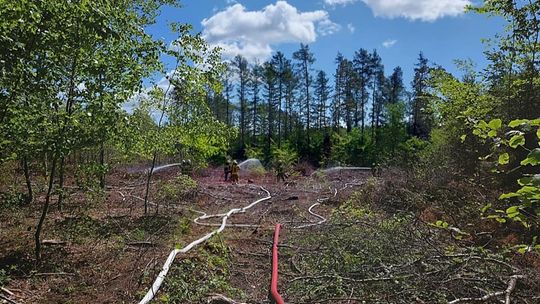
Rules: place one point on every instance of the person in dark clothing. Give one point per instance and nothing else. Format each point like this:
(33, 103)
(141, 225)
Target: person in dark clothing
(281, 175)
(227, 170)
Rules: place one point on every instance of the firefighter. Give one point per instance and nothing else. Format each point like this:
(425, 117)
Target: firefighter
(186, 167)
(281, 175)
(235, 170)
(227, 170)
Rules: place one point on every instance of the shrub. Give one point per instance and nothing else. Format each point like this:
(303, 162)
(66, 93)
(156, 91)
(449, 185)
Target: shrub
(178, 189)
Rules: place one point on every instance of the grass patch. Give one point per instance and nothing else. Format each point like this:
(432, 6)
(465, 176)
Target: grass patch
(207, 271)
(78, 229)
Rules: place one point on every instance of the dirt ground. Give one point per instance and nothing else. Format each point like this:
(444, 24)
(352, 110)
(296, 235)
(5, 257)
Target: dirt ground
(102, 248)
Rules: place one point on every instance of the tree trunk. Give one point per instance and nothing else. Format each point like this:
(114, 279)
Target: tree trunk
(61, 183)
(102, 166)
(44, 212)
(30, 195)
(280, 94)
(148, 179)
(69, 104)
(308, 104)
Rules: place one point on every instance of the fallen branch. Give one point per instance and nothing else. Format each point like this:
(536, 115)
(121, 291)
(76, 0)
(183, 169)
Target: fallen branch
(44, 274)
(220, 299)
(7, 291)
(52, 242)
(333, 300)
(8, 299)
(369, 280)
(141, 244)
(507, 292)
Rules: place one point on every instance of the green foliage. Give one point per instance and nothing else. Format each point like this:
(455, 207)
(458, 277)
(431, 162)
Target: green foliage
(350, 251)
(514, 68)
(254, 152)
(87, 175)
(206, 272)
(410, 151)
(184, 226)
(4, 277)
(284, 159)
(79, 229)
(65, 45)
(185, 125)
(12, 199)
(356, 207)
(524, 204)
(459, 106)
(177, 189)
(351, 149)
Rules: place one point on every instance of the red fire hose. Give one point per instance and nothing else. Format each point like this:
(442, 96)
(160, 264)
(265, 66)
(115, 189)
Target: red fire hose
(273, 285)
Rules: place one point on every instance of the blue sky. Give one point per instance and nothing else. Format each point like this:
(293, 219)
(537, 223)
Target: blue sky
(398, 29)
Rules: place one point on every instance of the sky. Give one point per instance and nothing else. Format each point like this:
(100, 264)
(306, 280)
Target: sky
(398, 29)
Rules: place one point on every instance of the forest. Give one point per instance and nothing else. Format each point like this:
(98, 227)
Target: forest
(424, 192)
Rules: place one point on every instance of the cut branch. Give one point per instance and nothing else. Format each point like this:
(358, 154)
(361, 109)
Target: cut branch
(220, 299)
(507, 292)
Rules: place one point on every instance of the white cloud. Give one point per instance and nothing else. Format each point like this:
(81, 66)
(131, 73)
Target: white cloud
(253, 33)
(339, 2)
(424, 10)
(327, 27)
(351, 27)
(389, 43)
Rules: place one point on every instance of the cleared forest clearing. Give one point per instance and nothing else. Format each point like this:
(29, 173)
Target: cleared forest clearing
(105, 250)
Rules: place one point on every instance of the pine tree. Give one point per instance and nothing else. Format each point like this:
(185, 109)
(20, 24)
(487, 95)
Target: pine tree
(227, 92)
(338, 92)
(396, 88)
(281, 66)
(270, 87)
(305, 60)
(363, 69)
(348, 85)
(291, 84)
(377, 76)
(241, 66)
(255, 87)
(420, 117)
(322, 93)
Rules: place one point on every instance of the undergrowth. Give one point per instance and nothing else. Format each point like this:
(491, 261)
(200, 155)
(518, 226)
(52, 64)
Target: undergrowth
(205, 271)
(376, 251)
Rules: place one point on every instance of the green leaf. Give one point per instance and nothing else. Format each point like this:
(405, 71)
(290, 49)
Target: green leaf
(463, 137)
(533, 158)
(509, 195)
(517, 122)
(512, 211)
(477, 132)
(538, 133)
(525, 181)
(482, 125)
(495, 124)
(486, 208)
(517, 140)
(533, 180)
(441, 224)
(522, 248)
(504, 159)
